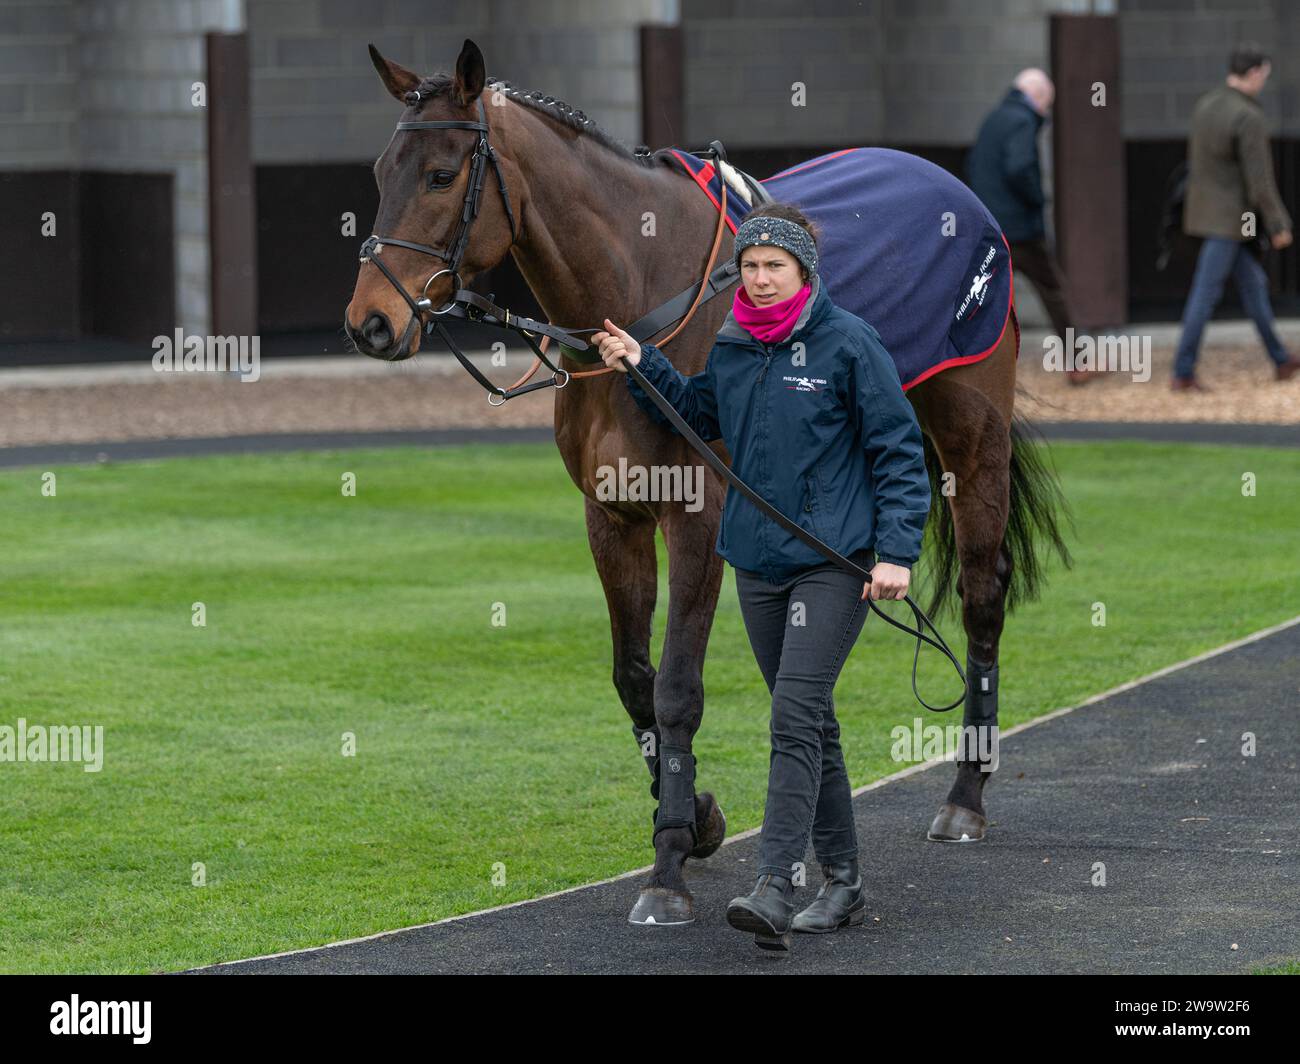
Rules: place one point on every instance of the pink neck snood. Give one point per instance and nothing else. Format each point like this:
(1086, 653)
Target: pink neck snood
(770, 324)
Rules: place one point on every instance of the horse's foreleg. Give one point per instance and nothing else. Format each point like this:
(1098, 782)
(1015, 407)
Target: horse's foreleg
(686, 823)
(624, 551)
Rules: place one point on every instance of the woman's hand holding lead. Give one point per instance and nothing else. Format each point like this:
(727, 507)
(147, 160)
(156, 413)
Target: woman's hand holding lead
(887, 581)
(616, 345)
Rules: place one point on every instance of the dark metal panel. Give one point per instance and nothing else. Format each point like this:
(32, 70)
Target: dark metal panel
(1157, 295)
(40, 294)
(307, 265)
(128, 280)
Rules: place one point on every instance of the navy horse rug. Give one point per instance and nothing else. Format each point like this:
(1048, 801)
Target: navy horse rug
(904, 245)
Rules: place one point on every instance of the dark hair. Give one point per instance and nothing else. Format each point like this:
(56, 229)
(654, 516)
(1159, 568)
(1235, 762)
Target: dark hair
(790, 213)
(1245, 57)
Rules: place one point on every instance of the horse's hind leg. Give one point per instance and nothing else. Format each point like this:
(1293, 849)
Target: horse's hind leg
(968, 417)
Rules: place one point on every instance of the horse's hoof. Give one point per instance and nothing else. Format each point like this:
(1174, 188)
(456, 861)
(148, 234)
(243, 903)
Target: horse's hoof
(957, 824)
(713, 831)
(661, 907)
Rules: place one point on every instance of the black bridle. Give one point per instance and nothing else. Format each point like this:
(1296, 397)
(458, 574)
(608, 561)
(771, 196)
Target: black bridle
(470, 306)
(463, 303)
(455, 251)
(467, 305)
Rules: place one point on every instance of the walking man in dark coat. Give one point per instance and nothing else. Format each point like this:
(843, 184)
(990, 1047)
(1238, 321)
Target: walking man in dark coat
(1003, 170)
(1231, 196)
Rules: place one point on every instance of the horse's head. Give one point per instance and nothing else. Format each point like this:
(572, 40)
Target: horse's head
(426, 197)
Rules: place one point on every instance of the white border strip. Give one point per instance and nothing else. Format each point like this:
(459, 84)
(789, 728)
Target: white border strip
(1254, 637)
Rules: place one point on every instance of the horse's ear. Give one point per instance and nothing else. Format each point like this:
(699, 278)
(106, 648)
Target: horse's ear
(471, 73)
(396, 78)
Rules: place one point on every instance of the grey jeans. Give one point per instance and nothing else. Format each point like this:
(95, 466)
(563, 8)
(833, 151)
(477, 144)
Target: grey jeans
(802, 630)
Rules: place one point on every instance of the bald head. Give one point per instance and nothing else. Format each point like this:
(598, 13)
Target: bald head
(1038, 87)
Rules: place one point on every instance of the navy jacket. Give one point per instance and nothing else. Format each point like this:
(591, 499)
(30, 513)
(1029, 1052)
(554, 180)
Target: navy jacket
(833, 443)
(1002, 168)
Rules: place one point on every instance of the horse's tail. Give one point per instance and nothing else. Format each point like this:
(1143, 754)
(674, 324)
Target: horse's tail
(1036, 498)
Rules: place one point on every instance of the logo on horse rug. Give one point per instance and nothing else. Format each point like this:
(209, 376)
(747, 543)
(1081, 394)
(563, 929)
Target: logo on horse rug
(978, 286)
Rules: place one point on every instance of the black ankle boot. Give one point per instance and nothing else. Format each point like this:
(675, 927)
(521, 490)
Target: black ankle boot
(766, 911)
(840, 903)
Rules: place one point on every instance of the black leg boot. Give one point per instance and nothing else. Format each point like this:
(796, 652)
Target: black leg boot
(840, 903)
(962, 817)
(766, 911)
(674, 786)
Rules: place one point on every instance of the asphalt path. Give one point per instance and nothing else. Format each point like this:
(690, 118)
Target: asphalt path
(135, 450)
(1149, 783)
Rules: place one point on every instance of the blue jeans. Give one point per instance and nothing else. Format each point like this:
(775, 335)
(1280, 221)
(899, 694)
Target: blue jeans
(1218, 259)
(802, 631)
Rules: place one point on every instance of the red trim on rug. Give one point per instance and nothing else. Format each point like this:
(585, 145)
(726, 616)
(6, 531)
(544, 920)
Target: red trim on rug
(804, 166)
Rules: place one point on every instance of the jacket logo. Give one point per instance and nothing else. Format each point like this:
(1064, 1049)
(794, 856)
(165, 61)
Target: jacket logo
(979, 286)
(803, 384)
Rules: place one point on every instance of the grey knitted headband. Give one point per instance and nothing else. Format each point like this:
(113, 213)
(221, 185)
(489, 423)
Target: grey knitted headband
(777, 233)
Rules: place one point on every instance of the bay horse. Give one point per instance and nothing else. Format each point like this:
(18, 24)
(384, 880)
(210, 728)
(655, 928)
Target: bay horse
(570, 204)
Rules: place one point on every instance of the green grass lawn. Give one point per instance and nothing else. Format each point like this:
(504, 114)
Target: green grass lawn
(475, 744)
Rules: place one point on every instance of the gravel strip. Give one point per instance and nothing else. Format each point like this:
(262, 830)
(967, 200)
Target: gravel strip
(191, 405)
(1241, 376)
(87, 406)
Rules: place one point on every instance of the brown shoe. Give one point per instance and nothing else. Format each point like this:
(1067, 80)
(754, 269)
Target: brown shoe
(1288, 369)
(1187, 384)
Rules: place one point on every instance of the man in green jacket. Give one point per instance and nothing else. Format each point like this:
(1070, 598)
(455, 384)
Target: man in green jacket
(1231, 196)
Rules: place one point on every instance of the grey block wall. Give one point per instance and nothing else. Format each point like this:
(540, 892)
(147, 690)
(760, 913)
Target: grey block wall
(316, 97)
(1175, 50)
(139, 61)
(877, 72)
(38, 89)
(926, 71)
(107, 85)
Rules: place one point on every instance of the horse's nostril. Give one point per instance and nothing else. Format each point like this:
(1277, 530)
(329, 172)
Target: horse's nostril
(376, 332)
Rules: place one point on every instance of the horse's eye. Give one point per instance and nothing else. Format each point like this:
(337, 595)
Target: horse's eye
(440, 179)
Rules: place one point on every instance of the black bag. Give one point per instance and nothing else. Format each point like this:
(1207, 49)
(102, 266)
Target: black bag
(1171, 214)
(1171, 219)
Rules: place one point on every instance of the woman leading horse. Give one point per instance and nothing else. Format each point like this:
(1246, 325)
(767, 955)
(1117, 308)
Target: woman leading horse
(541, 183)
(810, 406)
